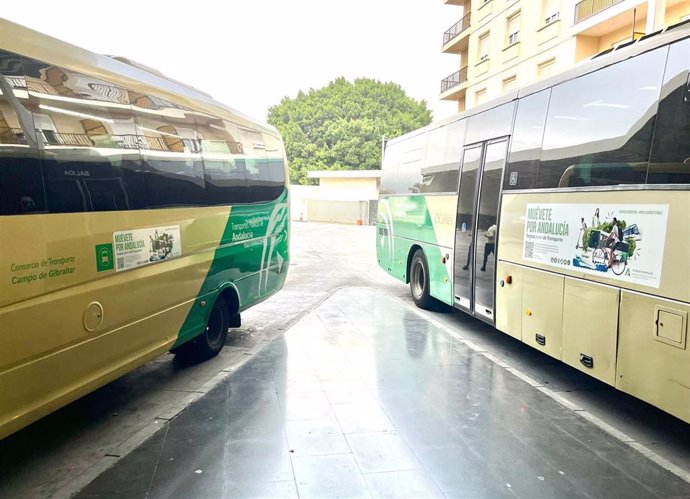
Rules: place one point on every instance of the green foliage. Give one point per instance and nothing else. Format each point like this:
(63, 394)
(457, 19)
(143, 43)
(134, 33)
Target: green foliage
(633, 245)
(339, 127)
(585, 237)
(608, 226)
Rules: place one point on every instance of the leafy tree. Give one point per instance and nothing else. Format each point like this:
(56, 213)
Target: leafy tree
(339, 126)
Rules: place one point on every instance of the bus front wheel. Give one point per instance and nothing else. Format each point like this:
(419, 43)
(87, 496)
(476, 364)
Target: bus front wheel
(419, 281)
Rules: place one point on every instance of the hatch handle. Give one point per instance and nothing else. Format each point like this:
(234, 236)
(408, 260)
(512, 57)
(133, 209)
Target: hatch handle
(586, 361)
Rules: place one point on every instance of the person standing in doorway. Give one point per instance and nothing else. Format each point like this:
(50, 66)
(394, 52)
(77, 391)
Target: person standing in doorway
(490, 245)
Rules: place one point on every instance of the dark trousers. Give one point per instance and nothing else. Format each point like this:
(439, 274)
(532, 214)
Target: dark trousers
(488, 249)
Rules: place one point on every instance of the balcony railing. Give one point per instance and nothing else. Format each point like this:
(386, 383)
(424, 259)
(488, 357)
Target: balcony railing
(131, 141)
(12, 136)
(457, 28)
(16, 81)
(40, 87)
(454, 80)
(587, 8)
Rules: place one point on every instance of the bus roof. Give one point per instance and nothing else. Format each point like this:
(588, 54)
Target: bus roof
(646, 43)
(117, 70)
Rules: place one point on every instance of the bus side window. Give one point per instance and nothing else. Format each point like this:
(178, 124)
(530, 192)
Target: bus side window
(441, 168)
(275, 158)
(225, 170)
(525, 145)
(390, 166)
(490, 124)
(409, 179)
(261, 186)
(599, 126)
(85, 131)
(670, 159)
(172, 167)
(20, 167)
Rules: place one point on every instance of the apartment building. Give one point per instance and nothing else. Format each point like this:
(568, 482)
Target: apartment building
(506, 44)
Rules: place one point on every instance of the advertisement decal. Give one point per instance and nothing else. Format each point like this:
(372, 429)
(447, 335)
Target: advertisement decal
(623, 242)
(134, 248)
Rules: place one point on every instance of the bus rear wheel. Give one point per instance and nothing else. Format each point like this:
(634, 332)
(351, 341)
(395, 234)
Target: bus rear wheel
(209, 343)
(419, 281)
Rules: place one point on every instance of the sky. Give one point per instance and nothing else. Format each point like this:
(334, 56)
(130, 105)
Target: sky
(250, 54)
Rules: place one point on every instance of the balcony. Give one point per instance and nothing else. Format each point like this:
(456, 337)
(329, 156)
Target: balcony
(457, 28)
(588, 8)
(455, 39)
(453, 86)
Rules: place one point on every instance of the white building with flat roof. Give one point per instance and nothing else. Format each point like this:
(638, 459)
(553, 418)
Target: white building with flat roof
(341, 196)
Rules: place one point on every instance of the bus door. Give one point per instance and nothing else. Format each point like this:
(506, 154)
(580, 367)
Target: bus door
(476, 227)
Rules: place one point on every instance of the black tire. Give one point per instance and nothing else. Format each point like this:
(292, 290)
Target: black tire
(209, 343)
(618, 266)
(419, 282)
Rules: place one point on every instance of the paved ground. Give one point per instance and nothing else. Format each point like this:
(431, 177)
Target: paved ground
(365, 398)
(360, 397)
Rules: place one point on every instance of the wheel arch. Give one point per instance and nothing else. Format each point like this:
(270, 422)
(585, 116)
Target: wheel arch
(230, 294)
(410, 255)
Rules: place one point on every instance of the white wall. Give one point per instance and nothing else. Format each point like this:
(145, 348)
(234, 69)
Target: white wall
(349, 189)
(299, 194)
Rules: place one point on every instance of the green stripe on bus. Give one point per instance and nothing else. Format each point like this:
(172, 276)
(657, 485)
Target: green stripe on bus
(252, 256)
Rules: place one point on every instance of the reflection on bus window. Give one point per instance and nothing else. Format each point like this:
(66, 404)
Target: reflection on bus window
(275, 178)
(496, 122)
(20, 167)
(86, 132)
(411, 161)
(602, 137)
(74, 143)
(172, 166)
(224, 172)
(525, 146)
(443, 155)
(670, 159)
(390, 166)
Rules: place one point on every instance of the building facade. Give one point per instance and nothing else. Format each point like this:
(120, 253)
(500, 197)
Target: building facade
(342, 196)
(505, 44)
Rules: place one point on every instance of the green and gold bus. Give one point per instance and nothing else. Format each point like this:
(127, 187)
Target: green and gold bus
(560, 214)
(137, 215)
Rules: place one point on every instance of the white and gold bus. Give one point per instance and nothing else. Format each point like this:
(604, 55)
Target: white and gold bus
(137, 215)
(560, 214)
